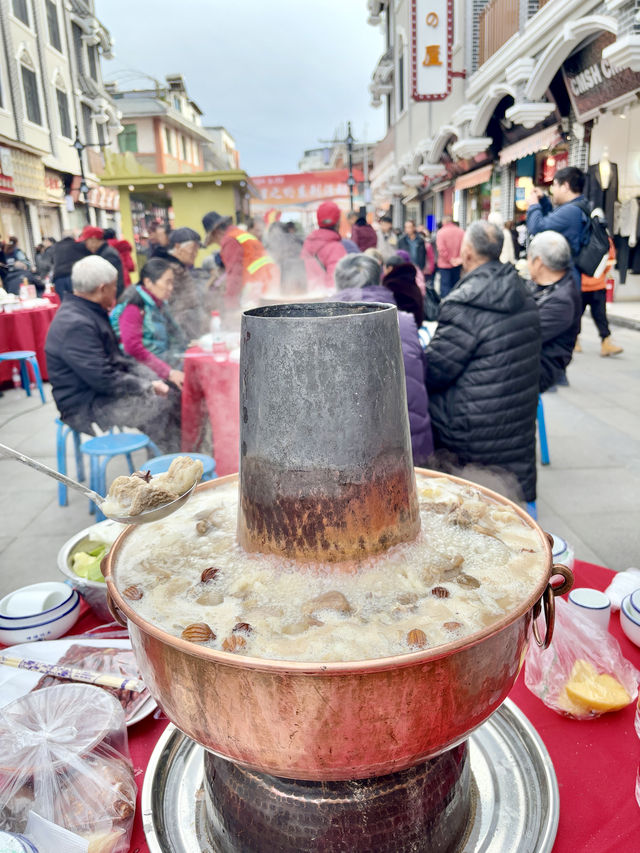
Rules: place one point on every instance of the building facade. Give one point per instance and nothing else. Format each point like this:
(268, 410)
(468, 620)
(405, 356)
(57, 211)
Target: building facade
(52, 95)
(533, 85)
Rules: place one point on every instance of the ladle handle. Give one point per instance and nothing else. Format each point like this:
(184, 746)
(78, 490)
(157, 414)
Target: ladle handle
(44, 469)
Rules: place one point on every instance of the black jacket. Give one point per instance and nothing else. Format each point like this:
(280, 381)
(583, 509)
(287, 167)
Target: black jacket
(559, 309)
(482, 373)
(404, 243)
(65, 253)
(84, 361)
(110, 254)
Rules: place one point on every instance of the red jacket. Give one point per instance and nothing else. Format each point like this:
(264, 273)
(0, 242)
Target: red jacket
(321, 252)
(123, 248)
(448, 243)
(364, 236)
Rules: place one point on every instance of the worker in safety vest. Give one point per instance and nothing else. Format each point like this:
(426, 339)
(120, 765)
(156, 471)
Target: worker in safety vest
(250, 271)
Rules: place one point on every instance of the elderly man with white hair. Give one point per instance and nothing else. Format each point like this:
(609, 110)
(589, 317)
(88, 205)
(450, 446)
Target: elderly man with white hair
(559, 305)
(92, 381)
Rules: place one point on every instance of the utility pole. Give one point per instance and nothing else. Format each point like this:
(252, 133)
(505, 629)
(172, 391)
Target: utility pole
(84, 188)
(351, 182)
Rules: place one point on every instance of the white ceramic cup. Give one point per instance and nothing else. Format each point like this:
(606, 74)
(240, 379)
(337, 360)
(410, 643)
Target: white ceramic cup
(593, 604)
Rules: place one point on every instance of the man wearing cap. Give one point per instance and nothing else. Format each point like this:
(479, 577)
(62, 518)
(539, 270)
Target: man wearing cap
(323, 248)
(188, 301)
(249, 269)
(95, 243)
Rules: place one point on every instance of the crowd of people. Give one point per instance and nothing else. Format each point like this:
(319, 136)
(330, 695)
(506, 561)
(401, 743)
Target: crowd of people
(115, 349)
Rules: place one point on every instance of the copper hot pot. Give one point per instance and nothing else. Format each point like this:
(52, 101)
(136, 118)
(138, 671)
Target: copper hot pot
(340, 720)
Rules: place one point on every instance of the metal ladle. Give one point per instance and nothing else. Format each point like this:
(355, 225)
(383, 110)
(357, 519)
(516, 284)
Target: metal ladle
(154, 514)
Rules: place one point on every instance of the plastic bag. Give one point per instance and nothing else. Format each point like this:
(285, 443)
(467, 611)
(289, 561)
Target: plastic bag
(583, 673)
(64, 756)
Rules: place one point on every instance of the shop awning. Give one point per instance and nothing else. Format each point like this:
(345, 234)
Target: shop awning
(547, 138)
(472, 179)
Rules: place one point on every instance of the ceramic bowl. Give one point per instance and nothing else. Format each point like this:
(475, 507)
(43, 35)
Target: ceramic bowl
(595, 605)
(630, 618)
(93, 592)
(36, 602)
(47, 626)
(562, 552)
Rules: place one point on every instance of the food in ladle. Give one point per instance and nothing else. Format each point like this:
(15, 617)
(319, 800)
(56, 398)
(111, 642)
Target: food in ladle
(129, 496)
(450, 582)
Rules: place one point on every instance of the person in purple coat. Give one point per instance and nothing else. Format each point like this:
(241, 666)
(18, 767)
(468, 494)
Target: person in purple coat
(357, 279)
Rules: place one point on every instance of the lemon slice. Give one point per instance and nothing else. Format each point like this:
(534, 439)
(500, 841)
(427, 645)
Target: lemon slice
(592, 691)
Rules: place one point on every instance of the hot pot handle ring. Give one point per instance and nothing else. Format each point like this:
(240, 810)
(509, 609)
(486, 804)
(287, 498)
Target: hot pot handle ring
(117, 614)
(547, 600)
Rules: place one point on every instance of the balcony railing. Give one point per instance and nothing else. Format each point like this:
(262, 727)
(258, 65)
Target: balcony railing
(498, 21)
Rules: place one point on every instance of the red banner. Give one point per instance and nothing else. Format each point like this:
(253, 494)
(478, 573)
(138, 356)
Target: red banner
(305, 187)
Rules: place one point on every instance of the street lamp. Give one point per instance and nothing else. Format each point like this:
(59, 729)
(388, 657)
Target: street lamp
(350, 180)
(84, 187)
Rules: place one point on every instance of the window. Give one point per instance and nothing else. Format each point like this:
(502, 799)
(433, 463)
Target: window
(93, 62)
(102, 136)
(63, 112)
(87, 124)
(31, 98)
(54, 27)
(176, 103)
(128, 139)
(78, 47)
(401, 103)
(168, 140)
(21, 10)
(183, 145)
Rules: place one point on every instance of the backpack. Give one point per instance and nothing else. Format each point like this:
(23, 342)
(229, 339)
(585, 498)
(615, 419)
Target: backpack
(594, 254)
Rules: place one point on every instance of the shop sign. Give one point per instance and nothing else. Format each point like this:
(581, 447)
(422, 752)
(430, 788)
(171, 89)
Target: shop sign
(6, 171)
(593, 82)
(53, 185)
(431, 43)
(291, 190)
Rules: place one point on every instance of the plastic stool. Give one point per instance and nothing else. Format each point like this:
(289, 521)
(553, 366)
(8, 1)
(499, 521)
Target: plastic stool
(103, 448)
(62, 434)
(25, 357)
(161, 464)
(532, 509)
(542, 433)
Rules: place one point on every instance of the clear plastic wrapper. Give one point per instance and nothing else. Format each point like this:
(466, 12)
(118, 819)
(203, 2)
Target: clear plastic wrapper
(64, 756)
(583, 673)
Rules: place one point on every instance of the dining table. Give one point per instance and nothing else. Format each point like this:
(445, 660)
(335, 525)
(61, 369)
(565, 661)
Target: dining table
(596, 760)
(25, 328)
(211, 394)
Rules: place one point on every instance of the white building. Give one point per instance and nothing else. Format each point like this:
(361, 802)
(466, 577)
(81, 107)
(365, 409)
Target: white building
(534, 85)
(51, 83)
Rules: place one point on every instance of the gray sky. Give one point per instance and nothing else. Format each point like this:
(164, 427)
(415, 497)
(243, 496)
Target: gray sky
(279, 76)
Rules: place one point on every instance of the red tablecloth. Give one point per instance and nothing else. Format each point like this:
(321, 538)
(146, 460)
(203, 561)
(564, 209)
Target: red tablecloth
(25, 330)
(595, 761)
(211, 389)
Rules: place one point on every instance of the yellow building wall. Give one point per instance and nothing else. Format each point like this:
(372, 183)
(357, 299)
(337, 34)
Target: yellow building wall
(191, 203)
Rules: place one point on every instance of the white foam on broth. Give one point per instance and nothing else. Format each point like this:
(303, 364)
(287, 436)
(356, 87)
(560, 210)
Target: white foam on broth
(389, 595)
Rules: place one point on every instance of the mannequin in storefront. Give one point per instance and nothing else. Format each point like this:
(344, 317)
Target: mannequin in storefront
(601, 187)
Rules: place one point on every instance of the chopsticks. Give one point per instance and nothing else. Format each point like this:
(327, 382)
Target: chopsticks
(72, 673)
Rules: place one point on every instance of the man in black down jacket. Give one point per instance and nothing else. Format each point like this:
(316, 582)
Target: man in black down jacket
(92, 381)
(483, 364)
(558, 301)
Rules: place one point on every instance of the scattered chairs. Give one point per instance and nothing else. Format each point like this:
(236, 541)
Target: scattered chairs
(62, 434)
(24, 358)
(542, 433)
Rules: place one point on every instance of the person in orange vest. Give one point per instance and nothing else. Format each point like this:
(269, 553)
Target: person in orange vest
(250, 271)
(594, 294)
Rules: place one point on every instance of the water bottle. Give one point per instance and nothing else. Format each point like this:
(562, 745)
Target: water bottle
(215, 325)
(15, 377)
(218, 343)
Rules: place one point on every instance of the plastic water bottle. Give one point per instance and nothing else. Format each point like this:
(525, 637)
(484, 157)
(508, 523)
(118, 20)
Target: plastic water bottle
(218, 343)
(215, 325)
(15, 377)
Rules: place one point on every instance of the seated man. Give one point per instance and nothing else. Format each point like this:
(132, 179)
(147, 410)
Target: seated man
(483, 364)
(559, 306)
(92, 381)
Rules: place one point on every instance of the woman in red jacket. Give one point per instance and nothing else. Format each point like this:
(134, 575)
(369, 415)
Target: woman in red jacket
(123, 248)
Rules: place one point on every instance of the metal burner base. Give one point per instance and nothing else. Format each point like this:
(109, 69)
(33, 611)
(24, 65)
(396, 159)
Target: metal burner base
(513, 781)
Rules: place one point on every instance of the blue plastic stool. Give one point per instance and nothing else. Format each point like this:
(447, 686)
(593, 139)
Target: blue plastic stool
(103, 448)
(161, 464)
(25, 357)
(62, 434)
(532, 509)
(542, 433)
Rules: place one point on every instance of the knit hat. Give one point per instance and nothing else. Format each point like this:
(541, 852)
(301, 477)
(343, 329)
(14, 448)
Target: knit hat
(328, 214)
(183, 235)
(91, 232)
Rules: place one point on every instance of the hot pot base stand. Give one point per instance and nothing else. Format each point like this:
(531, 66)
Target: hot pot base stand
(516, 798)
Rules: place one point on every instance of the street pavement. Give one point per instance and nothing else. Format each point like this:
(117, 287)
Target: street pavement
(589, 494)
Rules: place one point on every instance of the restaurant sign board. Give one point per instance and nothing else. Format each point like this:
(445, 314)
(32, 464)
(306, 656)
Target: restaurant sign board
(431, 43)
(593, 82)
